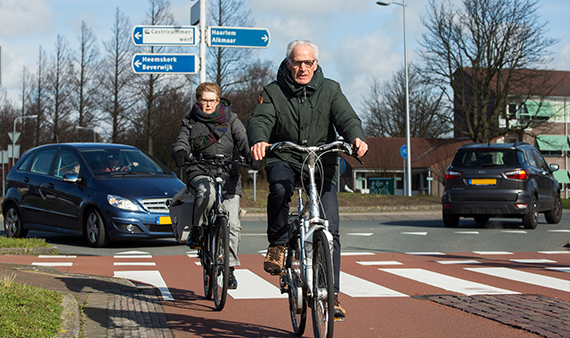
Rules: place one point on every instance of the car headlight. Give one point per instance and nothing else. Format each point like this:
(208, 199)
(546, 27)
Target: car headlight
(121, 203)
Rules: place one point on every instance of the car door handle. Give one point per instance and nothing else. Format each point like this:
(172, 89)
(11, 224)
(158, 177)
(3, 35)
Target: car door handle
(26, 179)
(50, 185)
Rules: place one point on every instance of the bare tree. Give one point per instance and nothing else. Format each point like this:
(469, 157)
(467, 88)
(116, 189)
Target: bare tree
(248, 87)
(85, 84)
(38, 99)
(480, 50)
(117, 77)
(225, 65)
(385, 107)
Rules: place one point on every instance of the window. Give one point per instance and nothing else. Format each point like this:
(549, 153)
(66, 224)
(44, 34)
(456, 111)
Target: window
(66, 162)
(530, 157)
(42, 162)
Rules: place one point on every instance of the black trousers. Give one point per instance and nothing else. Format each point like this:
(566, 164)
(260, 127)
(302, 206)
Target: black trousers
(281, 178)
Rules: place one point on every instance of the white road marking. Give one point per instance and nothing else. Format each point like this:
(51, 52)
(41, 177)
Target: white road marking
(151, 277)
(525, 277)
(447, 282)
(493, 252)
(467, 232)
(133, 253)
(53, 263)
(532, 261)
(379, 263)
(363, 253)
(358, 287)
(513, 231)
(364, 234)
(132, 256)
(554, 252)
(419, 233)
(251, 286)
(565, 269)
(468, 261)
(558, 230)
(134, 263)
(57, 256)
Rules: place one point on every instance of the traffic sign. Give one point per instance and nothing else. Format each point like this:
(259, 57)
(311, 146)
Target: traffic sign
(404, 151)
(242, 37)
(165, 36)
(14, 136)
(165, 63)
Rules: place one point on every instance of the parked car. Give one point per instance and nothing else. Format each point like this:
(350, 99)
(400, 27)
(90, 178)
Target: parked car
(510, 180)
(101, 191)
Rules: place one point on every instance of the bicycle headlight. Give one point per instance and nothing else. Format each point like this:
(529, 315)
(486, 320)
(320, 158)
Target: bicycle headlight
(121, 203)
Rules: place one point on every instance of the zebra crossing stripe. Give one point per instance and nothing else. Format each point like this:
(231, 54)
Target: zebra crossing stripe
(447, 282)
(52, 263)
(525, 277)
(152, 277)
(358, 287)
(251, 286)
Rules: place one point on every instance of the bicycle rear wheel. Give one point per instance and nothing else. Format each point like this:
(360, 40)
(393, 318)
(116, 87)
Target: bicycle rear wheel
(323, 287)
(221, 263)
(297, 301)
(207, 275)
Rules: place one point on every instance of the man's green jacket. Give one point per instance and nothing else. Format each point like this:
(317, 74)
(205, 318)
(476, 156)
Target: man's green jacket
(316, 112)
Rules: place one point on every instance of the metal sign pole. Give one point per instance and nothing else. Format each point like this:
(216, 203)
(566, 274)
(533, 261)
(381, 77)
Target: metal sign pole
(202, 41)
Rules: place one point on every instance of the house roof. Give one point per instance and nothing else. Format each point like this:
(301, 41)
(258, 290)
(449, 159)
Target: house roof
(384, 152)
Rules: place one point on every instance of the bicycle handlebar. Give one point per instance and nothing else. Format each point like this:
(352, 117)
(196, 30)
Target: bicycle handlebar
(336, 146)
(219, 161)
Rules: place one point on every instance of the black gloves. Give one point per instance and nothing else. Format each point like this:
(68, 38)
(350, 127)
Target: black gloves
(180, 158)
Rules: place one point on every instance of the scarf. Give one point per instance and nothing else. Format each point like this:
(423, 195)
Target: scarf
(207, 129)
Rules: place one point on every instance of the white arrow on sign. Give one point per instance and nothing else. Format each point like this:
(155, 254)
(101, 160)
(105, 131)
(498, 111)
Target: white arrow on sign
(138, 63)
(265, 38)
(138, 35)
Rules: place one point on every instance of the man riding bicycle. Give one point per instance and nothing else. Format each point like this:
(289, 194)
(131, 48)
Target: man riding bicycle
(208, 130)
(301, 105)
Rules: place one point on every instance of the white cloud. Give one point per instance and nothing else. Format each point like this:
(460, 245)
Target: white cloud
(19, 18)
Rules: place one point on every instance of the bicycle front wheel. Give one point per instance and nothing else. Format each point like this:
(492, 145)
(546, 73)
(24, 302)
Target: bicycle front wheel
(221, 263)
(297, 302)
(323, 287)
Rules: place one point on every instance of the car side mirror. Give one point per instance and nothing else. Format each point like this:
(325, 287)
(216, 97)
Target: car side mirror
(71, 178)
(554, 167)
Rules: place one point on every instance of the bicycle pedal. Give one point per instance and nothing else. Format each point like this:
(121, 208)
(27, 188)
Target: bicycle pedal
(280, 273)
(339, 319)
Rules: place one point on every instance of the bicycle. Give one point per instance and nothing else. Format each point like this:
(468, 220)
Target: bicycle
(308, 272)
(215, 249)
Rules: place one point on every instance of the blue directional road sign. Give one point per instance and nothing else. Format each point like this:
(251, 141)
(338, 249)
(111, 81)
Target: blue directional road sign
(165, 63)
(243, 37)
(404, 151)
(165, 36)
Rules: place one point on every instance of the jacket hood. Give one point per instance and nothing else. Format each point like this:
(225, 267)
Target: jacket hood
(292, 88)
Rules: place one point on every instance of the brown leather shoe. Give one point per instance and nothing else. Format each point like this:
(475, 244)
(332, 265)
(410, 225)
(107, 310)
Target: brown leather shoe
(274, 259)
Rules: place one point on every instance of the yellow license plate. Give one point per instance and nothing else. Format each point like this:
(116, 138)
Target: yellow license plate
(483, 181)
(163, 220)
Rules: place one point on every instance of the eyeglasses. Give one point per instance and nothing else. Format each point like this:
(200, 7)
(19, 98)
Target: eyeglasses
(207, 102)
(298, 63)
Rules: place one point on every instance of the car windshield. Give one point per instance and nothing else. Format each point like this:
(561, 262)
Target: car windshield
(113, 162)
(480, 158)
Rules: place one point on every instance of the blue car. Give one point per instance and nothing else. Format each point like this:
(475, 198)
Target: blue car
(101, 191)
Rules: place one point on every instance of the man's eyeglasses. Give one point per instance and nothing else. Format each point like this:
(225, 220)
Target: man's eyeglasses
(207, 102)
(298, 63)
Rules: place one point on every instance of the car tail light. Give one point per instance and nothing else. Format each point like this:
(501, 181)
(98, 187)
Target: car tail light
(518, 174)
(451, 175)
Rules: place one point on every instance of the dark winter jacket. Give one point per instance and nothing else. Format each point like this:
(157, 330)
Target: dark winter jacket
(235, 136)
(288, 111)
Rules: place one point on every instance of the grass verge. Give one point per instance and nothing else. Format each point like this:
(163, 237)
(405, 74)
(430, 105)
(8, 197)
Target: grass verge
(6, 242)
(27, 311)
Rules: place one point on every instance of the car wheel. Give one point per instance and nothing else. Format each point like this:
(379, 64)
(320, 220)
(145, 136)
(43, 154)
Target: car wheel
(95, 231)
(450, 221)
(530, 220)
(13, 224)
(553, 216)
(481, 219)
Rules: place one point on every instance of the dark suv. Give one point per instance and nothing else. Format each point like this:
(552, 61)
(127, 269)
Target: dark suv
(506, 180)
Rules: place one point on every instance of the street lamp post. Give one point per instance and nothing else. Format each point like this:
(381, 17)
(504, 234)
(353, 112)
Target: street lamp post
(89, 128)
(14, 134)
(408, 191)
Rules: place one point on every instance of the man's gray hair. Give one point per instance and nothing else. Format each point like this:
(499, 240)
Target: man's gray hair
(292, 45)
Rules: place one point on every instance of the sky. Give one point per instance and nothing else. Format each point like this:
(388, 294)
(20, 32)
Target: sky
(358, 40)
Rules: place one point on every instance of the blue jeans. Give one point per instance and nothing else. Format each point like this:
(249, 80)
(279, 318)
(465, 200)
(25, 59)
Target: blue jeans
(281, 178)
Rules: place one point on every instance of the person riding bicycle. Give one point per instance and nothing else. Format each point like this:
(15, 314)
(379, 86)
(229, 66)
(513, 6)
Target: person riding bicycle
(301, 105)
(208, 130)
